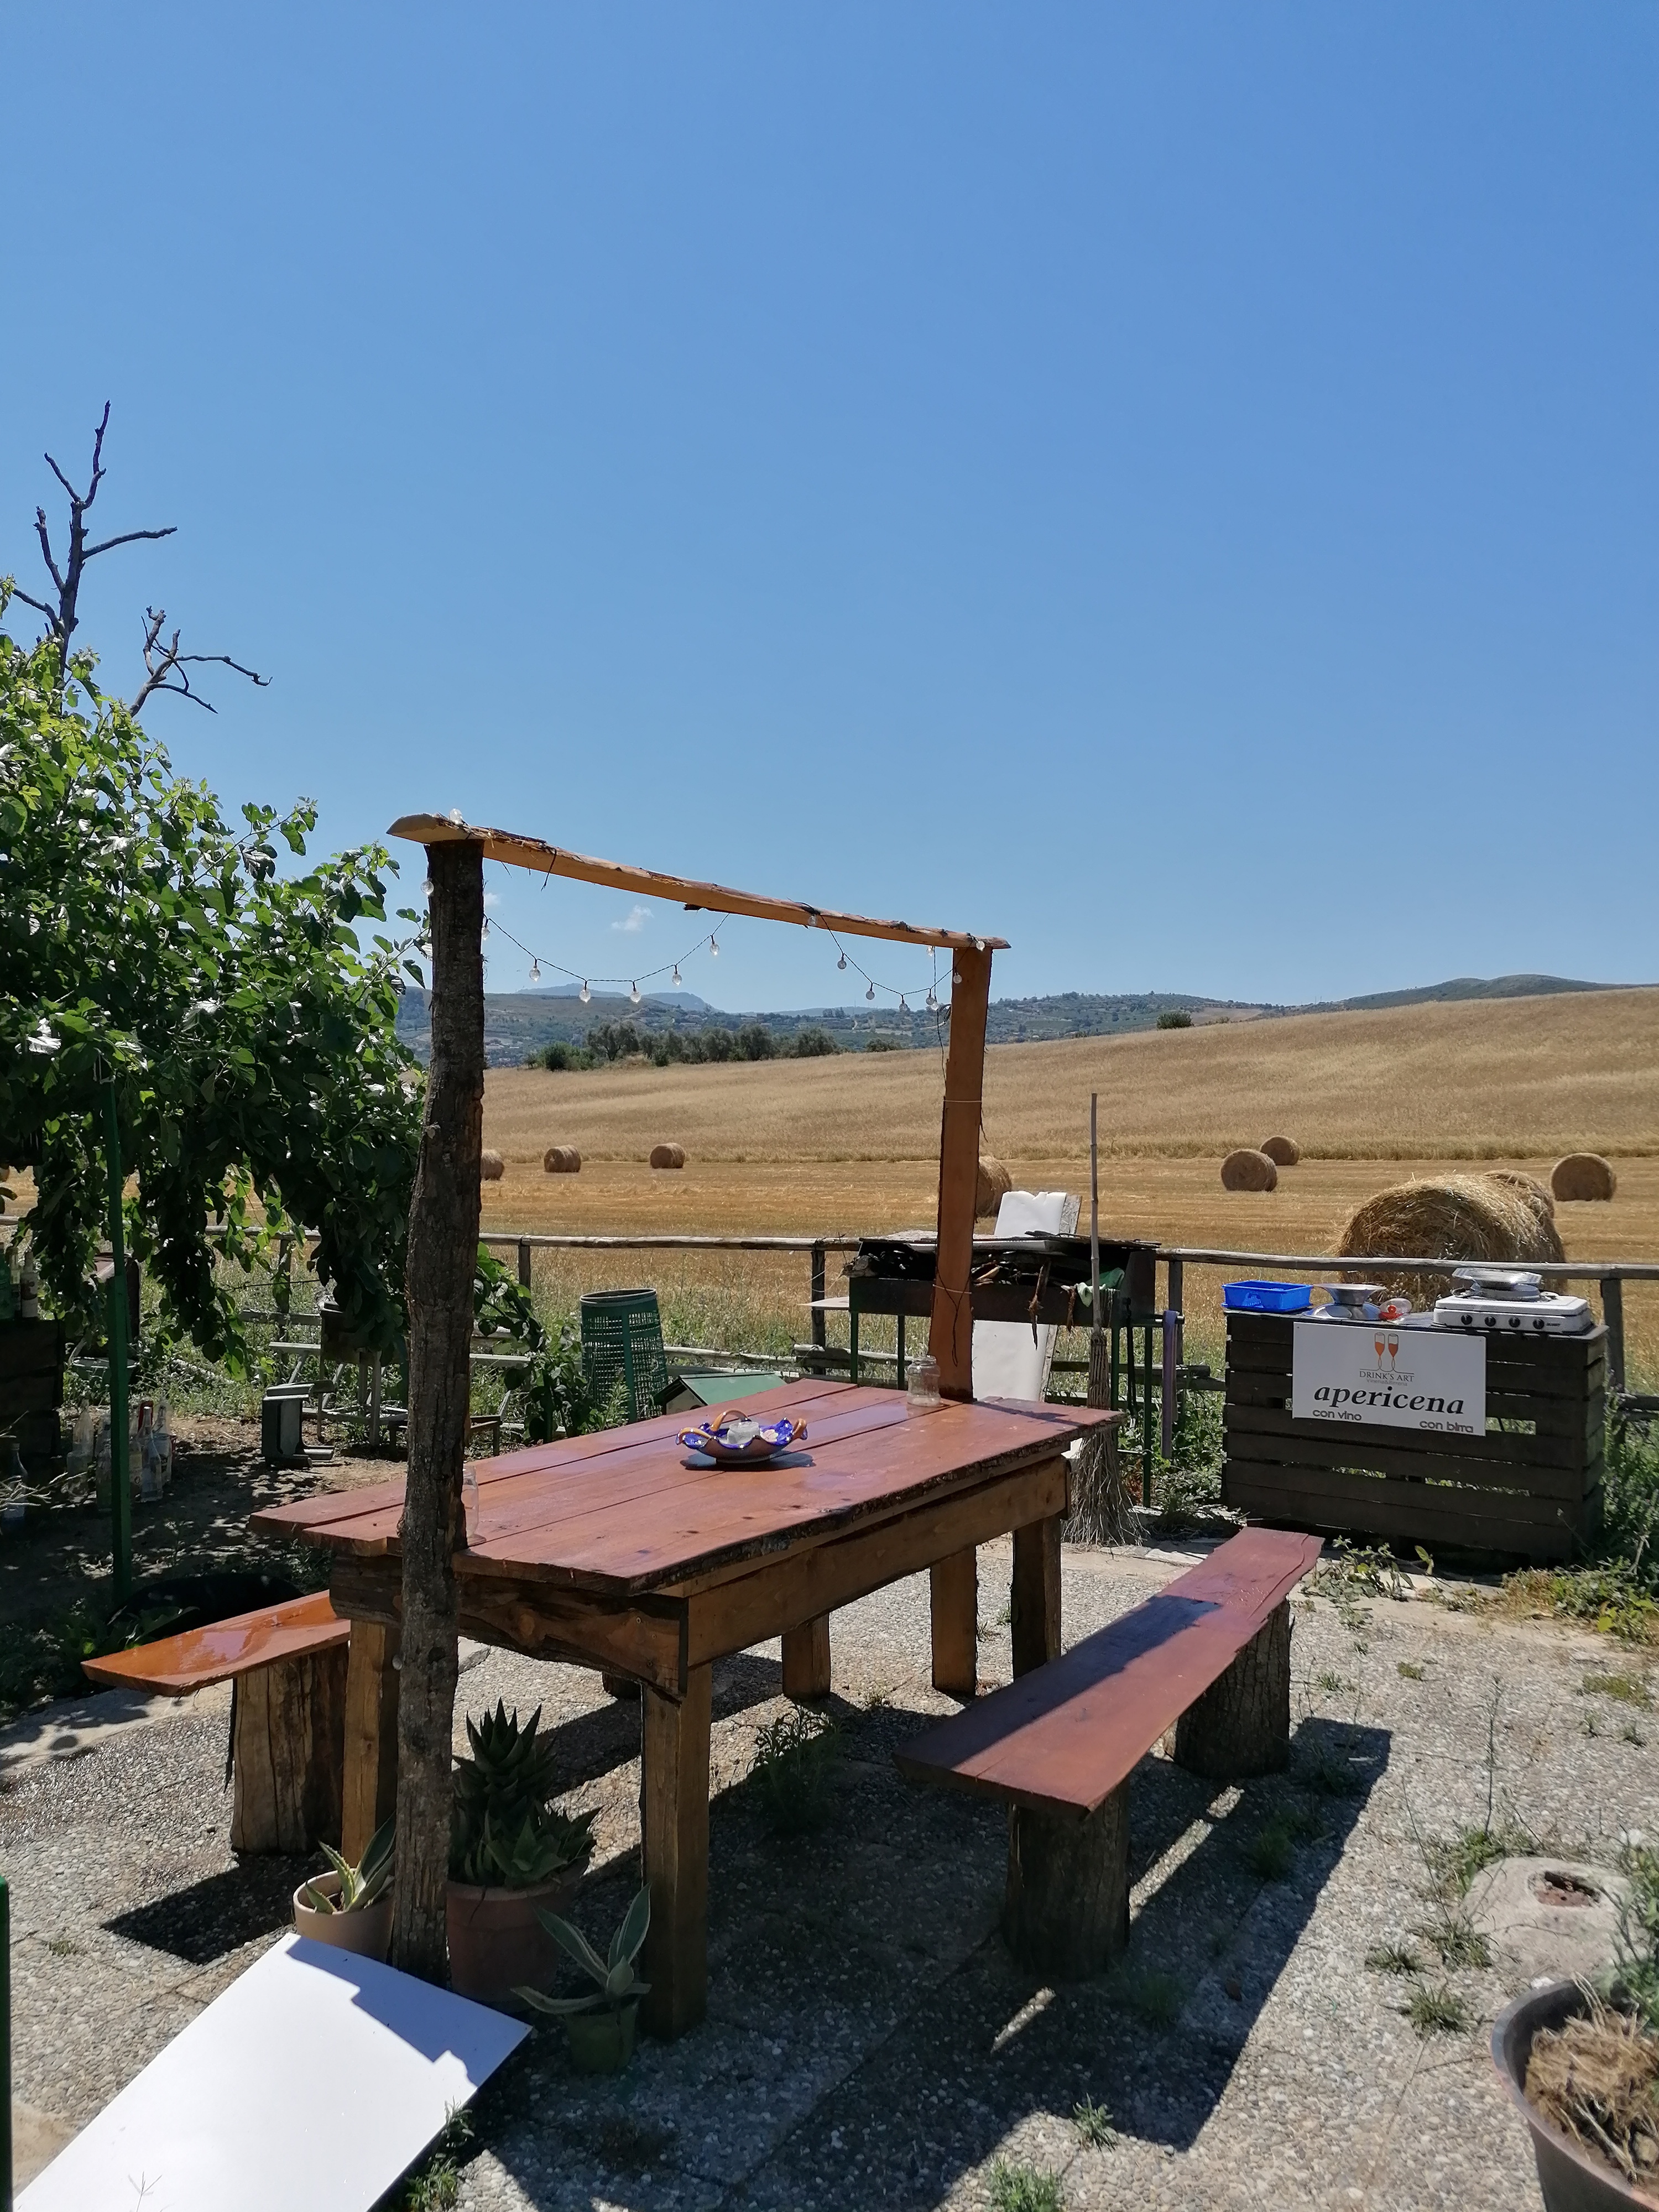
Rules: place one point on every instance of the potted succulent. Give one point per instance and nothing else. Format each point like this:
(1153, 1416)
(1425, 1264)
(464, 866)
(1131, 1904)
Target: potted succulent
(601, 2022)
(350, 1907)
(512, 1855)
(1580, 2064)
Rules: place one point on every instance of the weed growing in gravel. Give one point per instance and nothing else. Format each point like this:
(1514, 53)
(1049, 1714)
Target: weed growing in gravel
(794, 1770)
(1149, 1994)
(1625, 1689)
(1331, 1683)
(1094, 2125)
(435, 2184)
(1023, 2189)
(1412, 1670)
(1456, 1939)
(1272, 1849)
(1438, 2011)
(1455, 1861)
(1393, 1959)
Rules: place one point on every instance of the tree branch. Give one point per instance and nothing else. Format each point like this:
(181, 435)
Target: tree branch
(163, 661)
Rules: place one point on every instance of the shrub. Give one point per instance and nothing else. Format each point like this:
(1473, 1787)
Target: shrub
(794, 1770)
(560, 1057)
(1175, 1018)
(815, 1043)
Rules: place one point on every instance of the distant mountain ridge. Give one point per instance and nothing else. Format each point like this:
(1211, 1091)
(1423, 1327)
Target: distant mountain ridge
(519, 1023)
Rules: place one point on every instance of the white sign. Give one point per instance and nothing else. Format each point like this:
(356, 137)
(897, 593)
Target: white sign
(1399, 1378)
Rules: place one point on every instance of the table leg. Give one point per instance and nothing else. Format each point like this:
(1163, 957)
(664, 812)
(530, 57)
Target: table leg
(371, 1735)
(1034, 1607)
(674, 1823)
(956, 1624)
(806, 1659)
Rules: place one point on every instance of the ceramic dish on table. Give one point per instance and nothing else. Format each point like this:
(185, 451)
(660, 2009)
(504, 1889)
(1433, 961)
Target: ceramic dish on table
(737, 1441)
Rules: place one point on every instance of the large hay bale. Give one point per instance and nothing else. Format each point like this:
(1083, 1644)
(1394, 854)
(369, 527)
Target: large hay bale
(562, 1159)
(668, 1155)
(491, 1167)
(992, 1185)
(1455, 1216)
(1282, 1152)
(1524, 1186)
(1248, 1170)
(1583, 1176)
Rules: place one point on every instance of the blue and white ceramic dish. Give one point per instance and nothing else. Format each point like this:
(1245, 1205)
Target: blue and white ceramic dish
(736, 1440)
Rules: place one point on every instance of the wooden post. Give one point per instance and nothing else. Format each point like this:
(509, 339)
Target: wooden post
(806, 1660)
(370, 1793)
(1613, 1313)
(1066, 1913)
(951, 1337)
(287, 1752)
(1242, 1724)
(524, 1263)
(818, 1293)
(443, 1252)
(954, 1595)
(1033, 1602)
(674, 1832)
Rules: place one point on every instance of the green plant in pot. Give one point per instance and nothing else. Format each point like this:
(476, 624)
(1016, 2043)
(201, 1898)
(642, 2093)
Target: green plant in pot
(602, 2021)
(350, 1906)
(511, 1854)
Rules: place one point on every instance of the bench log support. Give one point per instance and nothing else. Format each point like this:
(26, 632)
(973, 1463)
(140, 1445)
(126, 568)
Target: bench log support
(288, 1754)
(1242, 1724)
(806, 1660)
(1066, 1914)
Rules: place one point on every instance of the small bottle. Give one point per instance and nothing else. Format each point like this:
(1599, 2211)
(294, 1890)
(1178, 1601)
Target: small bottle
(923, 1393)
(28, 1290)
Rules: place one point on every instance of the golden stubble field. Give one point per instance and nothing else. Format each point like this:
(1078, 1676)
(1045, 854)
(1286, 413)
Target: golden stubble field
(850, 1143)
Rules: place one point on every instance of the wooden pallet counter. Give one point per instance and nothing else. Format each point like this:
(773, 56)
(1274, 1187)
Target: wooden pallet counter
(1530, 1488)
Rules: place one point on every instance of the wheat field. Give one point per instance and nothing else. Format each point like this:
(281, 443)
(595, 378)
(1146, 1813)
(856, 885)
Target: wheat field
(850, 1144)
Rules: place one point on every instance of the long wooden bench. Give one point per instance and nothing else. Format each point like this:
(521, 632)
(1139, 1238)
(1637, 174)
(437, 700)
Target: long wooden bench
(1209, 1657)
(288, 1664)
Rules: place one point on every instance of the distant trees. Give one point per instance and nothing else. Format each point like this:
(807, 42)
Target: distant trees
(1175, 1018)
(615, 1041)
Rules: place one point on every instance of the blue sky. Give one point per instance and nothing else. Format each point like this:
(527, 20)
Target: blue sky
(1171, 486)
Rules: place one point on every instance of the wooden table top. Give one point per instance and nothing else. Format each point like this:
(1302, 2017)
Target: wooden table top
(628, 1509)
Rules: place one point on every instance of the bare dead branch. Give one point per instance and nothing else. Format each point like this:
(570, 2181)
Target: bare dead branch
(129, 537)
(164, 661)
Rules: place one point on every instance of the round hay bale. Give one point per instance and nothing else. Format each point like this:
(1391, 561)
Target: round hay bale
(1245, 1170)
(562, 1159)
(1456, 1216)
(992, 1185)
(668, 1155)
(491, 1167)
(1282, 1152)
(1524, 1186)
(1582, 1176)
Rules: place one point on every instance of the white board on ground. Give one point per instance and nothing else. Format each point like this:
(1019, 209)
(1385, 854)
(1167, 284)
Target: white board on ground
(1011, 1359)
(314, 2080)
(1397, 1378)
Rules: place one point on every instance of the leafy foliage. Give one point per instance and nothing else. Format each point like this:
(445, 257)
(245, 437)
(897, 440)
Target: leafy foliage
(557, 1391)
(794, 1770)
(251, 1041)
(505, 1831)
(364, 1883)
(617, 1982)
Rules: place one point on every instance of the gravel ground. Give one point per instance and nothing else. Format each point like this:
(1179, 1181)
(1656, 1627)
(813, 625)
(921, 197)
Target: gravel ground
(869, 2043)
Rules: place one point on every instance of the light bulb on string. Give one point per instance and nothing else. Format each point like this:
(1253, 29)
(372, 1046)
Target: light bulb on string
(426, 888)
(841, 962)
(903, 1009)
(714, 949)
(932, 1001)
(583, 995)
(485, 932)
(633, 994)
(871, 993)
(535, 970)
(676, 975)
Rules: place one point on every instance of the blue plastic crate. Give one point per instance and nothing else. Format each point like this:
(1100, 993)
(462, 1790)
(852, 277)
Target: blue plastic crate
(1267, 1297)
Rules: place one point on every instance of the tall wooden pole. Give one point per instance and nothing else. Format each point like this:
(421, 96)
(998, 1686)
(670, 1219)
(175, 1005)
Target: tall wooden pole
(951, 1336)
(443, 1252)
(120, 1493)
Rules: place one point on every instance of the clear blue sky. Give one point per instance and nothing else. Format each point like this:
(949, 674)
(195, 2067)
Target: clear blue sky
(1174, 486)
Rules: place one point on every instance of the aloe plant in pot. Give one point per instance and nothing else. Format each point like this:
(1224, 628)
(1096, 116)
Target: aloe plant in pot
(350, 1906)
(511, 1854)
(601, 2022)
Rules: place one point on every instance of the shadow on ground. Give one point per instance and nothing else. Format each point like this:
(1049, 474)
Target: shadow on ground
(216, 1916)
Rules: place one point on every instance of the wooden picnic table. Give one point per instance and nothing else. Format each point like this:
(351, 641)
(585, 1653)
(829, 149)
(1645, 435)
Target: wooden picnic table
(621, 1551)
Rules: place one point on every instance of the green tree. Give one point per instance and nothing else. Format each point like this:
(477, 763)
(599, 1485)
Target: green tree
(251, 1038)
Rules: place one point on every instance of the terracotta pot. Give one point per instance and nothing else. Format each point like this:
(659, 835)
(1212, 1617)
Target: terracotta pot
(368, 1934)
(1570, 2179)
(602, 2042)
(496, 1942)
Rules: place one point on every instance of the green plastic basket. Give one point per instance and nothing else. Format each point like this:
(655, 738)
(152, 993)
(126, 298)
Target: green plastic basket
(621, 1341)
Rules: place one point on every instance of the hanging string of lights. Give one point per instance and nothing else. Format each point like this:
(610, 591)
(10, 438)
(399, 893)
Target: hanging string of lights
(671, 968)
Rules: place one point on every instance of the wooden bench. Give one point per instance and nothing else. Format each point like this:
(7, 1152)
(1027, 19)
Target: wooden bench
(1209, 1657)
(288, 1664)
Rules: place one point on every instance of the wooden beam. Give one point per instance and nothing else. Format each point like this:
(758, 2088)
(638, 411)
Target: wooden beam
(806, 1660)
(371, 1735)
(674, 1824)
(544, 860)
(950, 1335)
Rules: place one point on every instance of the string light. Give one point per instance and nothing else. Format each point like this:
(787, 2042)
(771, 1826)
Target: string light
(932, 1001)
(841, 962)
(676, 975)
(713, 949)
(903, 1009)
(583, 995)
(485, 932)
(535, 971)
(426, 888)
(871, 993)
(633, 994)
